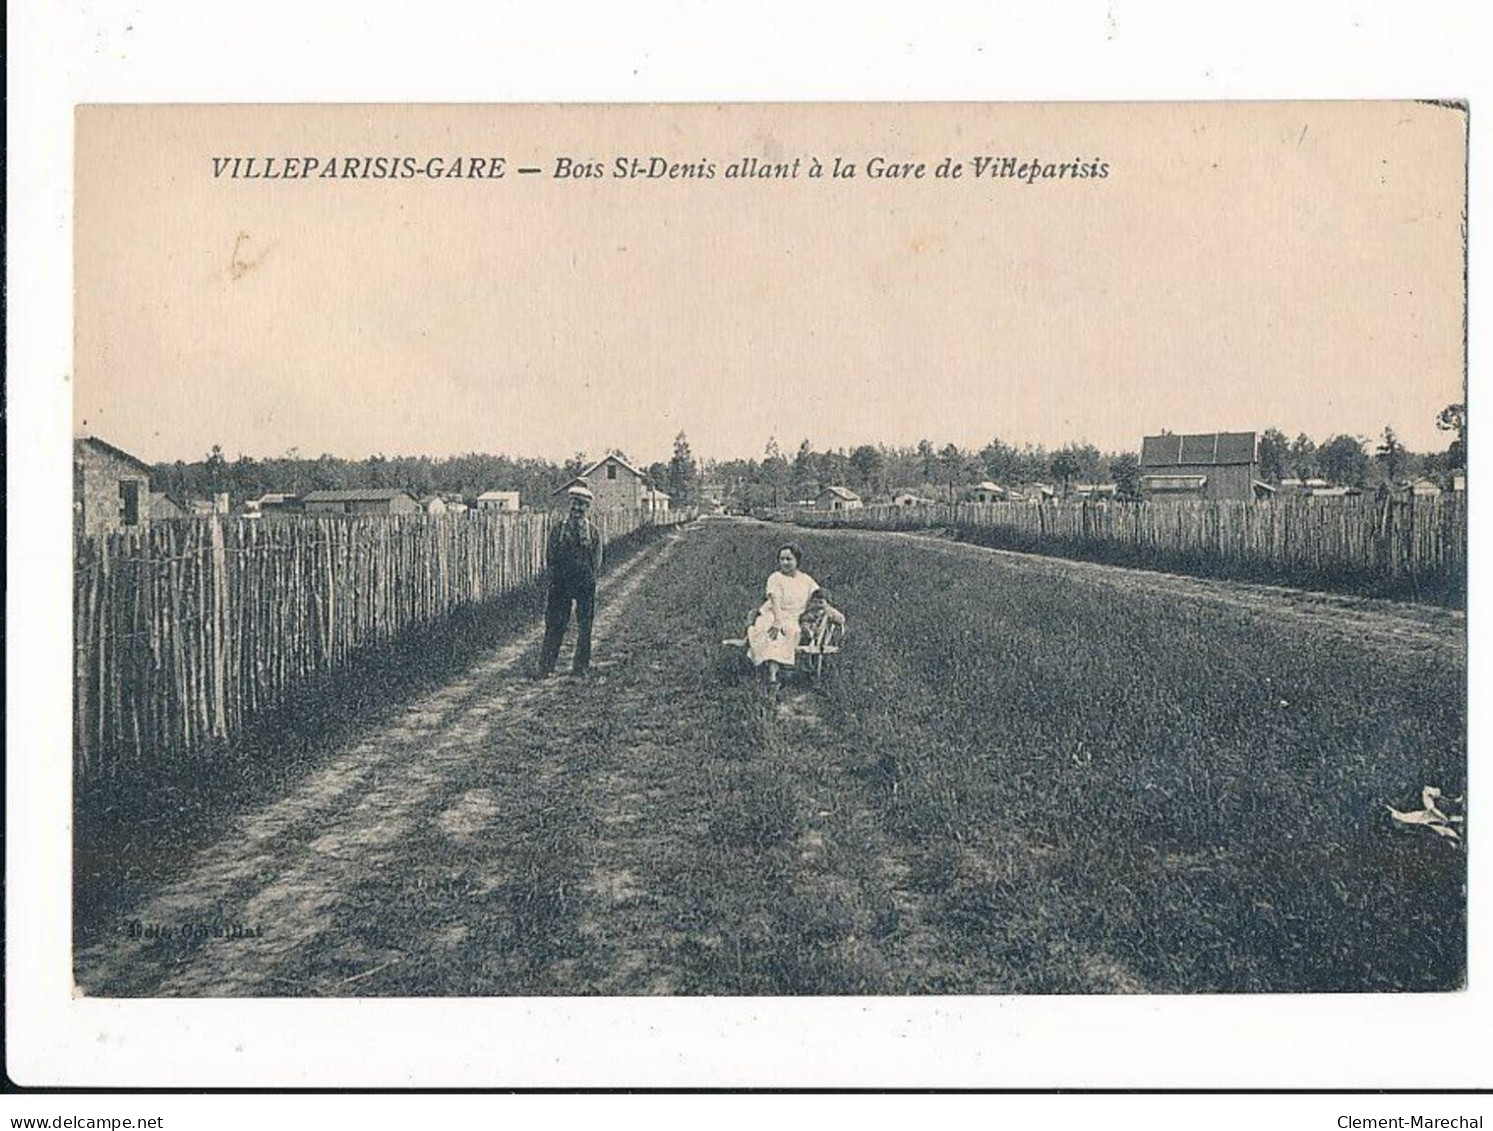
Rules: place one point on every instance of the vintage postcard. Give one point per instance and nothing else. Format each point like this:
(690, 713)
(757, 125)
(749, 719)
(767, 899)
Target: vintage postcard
(770, 550)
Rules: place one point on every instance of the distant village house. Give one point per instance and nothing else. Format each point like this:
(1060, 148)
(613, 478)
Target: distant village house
(1211, 465)
(837, 499)
(985, 492)
(497, 501)
(361, 501)
(164, 507)
(655, 502)
(111, 488)
(908, 499)
(1096, 490)
(617, 484)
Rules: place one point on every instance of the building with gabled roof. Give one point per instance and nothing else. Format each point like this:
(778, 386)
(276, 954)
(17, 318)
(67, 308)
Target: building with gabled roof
(360, 500)
(498, 501)
(111, 488)
(616, 484)
(837, 499)
(164, 507)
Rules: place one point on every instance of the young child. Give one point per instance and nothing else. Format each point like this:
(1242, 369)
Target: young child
(817, 610)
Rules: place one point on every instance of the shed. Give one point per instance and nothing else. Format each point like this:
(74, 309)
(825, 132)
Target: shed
(361, 500)
(111, 488)
(655, 502)
(1207, 465)
(985, 492)
(432, 504)
(908, 499)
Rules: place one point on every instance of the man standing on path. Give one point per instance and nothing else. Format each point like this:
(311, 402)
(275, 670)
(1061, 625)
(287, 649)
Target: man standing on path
(575, 548)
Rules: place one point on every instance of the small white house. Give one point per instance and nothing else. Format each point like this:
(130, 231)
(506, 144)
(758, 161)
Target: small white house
(655, 502)
(908, 499)
(432, 504)
(497, 501)
(985, 492)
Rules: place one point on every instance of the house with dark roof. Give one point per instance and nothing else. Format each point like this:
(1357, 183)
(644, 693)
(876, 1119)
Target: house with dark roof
(360, 500)
(1208, 465)
(111, 488)
(985, 492)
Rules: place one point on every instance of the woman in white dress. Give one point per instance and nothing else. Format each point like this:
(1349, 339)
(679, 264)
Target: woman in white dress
(772, 638)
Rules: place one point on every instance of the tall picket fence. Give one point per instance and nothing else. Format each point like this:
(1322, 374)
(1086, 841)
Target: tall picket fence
(184, 630)
(1414, 548)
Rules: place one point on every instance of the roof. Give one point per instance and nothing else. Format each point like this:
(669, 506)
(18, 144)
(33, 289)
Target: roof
(654, 493)
(986, 485)
(110, 449)
(356, 495)
(841, 492)
(1203, 449)
(614, 458)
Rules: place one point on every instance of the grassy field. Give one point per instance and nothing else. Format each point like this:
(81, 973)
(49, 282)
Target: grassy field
(1026, 776)
(1092, 786)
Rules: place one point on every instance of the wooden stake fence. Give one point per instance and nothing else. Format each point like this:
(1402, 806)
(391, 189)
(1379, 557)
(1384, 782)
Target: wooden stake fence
(184, 630)
(1407, 546)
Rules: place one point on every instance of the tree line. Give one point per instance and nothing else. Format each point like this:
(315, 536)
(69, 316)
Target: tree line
(943, 471)
(871, 470)
(463, 476)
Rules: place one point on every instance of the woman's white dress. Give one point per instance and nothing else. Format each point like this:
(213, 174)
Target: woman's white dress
(786, 599)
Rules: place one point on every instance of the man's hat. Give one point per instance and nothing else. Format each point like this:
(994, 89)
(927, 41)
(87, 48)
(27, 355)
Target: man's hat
(578, 491)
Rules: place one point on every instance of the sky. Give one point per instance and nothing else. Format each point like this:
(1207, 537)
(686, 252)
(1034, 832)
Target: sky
(1241, 266)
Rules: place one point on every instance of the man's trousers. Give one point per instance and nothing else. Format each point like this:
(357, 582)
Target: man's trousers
(562, 592)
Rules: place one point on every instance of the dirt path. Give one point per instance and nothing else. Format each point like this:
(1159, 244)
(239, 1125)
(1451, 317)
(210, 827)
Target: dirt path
(263, 910)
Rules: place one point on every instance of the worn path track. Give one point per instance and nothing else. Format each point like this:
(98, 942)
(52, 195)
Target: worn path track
(277, 877)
